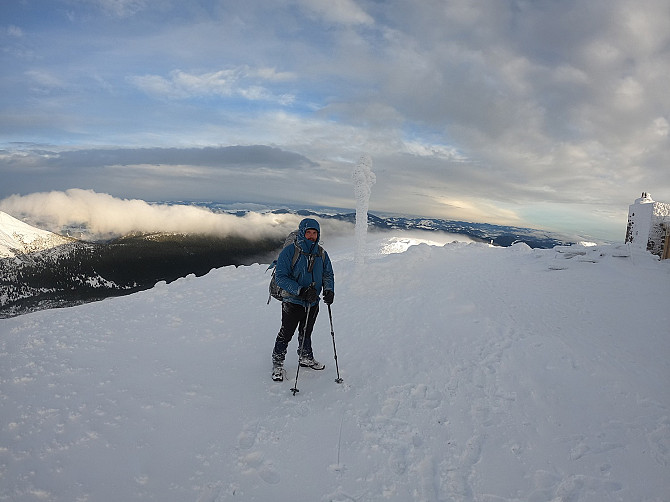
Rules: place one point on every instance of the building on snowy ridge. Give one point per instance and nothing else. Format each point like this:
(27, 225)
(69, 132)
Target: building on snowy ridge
(649, 225)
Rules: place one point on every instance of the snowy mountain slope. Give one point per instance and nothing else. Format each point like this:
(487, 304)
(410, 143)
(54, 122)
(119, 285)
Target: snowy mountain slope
(17, 237)
(81, 272)
(470, 373)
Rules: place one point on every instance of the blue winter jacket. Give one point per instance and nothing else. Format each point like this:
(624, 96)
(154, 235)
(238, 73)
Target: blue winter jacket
(292, 280)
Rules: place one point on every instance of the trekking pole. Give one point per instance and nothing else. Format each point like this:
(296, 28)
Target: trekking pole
(332, 333)
(302, 342)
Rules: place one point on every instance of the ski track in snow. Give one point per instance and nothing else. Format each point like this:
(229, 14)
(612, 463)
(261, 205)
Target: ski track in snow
(470, 374)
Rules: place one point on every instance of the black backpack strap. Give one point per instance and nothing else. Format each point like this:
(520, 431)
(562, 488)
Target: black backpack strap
(298, 251)
(296, 254)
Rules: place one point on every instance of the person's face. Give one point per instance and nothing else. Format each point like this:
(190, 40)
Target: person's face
(311, 234)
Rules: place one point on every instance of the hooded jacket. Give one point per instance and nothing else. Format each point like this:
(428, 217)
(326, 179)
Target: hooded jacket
(321, 273)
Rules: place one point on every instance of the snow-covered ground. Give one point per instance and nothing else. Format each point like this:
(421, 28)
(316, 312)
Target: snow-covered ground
(471, 373)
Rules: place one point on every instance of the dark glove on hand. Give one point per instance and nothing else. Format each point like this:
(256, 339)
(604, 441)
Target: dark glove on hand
(309, 294)
(328, 296)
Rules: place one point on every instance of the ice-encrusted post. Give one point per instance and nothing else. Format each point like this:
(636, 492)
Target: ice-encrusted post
(363, 178)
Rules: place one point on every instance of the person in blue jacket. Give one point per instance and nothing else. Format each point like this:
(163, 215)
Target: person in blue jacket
(302, 285)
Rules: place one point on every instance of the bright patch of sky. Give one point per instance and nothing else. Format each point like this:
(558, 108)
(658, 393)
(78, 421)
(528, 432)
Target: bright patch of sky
(527, 113)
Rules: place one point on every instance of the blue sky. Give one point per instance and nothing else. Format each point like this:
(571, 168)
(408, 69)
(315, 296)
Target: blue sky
(548, 114)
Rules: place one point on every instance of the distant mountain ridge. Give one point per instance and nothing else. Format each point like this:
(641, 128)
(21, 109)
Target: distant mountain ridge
(499, 235)
(41, 269)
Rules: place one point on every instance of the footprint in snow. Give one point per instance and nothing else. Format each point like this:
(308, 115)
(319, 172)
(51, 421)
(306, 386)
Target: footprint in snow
(255, 462)
(210, 493)
(398, 460)
(269, 474)
(247, 438)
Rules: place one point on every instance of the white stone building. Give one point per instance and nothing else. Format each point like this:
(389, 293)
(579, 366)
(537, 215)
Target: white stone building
(649, 225)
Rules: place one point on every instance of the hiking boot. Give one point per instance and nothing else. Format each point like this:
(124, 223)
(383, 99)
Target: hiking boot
(278, 373)
(310, 362)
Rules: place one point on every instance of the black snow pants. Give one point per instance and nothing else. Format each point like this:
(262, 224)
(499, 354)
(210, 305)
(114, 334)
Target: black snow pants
(295, 316)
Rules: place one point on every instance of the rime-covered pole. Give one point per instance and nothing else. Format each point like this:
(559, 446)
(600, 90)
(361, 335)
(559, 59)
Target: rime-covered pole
(363, 178)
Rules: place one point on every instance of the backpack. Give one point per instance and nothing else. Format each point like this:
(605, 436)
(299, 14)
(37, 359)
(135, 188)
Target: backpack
(291, 240)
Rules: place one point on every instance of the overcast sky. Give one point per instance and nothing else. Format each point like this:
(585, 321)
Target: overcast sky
(540, 113)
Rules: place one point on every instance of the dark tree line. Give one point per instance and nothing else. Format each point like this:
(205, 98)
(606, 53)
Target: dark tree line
(82, 272)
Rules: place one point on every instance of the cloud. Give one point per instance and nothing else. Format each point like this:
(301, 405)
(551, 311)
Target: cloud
(14, 31)
(45, 80)
(338, 11)
(104, 215)
(223, 83)
(229, 156)
(119, 8)
(260, 174)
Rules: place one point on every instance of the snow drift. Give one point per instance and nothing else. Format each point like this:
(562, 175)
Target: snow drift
(471, 373)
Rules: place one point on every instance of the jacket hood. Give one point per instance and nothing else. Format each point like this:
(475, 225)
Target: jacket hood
(304, 225)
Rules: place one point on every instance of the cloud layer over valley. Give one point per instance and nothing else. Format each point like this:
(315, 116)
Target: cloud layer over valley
(103, 216)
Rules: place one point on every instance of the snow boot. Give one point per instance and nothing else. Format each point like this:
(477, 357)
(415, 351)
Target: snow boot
(310, 362)
(278, 373)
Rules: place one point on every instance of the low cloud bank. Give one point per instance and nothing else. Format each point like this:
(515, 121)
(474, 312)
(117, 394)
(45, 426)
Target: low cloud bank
(103, 215)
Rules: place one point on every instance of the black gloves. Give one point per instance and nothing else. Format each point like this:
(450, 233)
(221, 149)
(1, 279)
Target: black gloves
(309, 294)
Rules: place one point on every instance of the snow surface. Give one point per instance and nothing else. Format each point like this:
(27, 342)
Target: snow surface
(471, 373)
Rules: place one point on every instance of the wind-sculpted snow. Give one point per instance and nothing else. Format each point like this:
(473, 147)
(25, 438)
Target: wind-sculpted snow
(471, 373)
